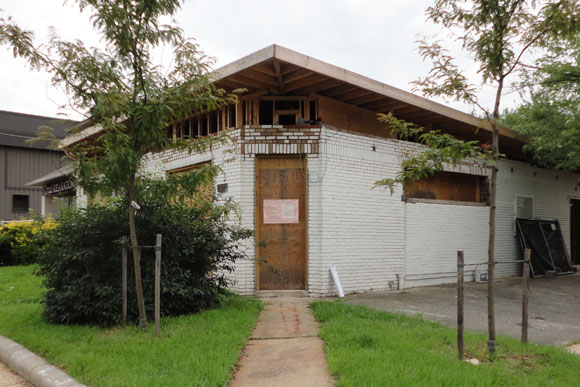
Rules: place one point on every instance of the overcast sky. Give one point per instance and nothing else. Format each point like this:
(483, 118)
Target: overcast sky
(373, 38)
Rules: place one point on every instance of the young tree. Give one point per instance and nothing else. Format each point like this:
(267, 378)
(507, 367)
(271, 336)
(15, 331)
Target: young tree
(124, 93)
(496, 35)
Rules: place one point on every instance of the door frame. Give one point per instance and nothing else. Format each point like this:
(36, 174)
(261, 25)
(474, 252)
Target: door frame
(304, 165)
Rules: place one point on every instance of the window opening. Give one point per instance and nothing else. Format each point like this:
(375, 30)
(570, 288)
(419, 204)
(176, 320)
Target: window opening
(288, 105)
(232, 122)
(214, 122)
(244, 110)
(313, 116)
(20, 203)
(195, 127)
(287, 119)
(204, 119)
(266, 112)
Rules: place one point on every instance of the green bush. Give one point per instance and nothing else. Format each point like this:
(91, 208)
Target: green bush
(19, 244)
(82, 259)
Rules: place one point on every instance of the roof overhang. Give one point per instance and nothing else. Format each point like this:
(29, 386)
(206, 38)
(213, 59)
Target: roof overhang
(276, 70)
(58, 174)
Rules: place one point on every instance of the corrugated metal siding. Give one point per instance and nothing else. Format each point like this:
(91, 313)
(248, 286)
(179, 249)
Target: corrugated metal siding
(17, 167)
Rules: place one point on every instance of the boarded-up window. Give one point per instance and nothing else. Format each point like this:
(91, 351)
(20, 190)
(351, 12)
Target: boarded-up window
(449, 186)
(205, 191)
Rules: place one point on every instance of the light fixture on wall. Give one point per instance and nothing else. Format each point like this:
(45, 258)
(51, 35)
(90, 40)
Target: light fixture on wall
(374, 148)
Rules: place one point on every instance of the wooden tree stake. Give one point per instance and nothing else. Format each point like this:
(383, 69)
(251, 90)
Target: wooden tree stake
(460, 279)
(158, 286)
(124, 279)
(525, 294)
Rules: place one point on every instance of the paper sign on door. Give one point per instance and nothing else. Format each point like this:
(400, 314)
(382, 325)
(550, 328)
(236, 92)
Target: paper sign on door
(280, 211)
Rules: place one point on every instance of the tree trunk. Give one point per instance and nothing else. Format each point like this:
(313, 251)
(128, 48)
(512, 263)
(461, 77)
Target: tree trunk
(136, 254)
(490, 254)
(492, 206)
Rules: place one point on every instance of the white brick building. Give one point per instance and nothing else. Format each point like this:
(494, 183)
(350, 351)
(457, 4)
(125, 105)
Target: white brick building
(309, 149)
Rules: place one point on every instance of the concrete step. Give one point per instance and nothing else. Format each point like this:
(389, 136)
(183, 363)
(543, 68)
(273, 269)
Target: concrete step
(281, 293)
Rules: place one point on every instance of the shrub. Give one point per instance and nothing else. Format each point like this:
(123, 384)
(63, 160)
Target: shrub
(19, 244)
(82, 259)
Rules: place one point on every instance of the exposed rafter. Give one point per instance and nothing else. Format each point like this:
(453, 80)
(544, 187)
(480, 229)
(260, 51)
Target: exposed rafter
(278, 76)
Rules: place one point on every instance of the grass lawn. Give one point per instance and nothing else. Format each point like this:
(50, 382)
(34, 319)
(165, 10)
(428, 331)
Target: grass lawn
(196, 350)
(365, 347)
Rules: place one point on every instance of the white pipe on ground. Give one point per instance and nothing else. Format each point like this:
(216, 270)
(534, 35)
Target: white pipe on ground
(336, 281)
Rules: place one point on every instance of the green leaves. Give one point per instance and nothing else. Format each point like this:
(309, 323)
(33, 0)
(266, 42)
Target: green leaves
(441, 150)
(551, 115)
(121, 90)
(496, 35)
(82, 266)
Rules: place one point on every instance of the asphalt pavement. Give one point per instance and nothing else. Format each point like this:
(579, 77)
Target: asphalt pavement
(554, 306)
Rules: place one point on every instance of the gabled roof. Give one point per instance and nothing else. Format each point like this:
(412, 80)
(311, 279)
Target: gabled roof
(17, 128)
(276, 70)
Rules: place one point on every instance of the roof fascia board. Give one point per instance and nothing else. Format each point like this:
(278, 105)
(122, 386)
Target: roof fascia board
(244, 63)
(79, 136)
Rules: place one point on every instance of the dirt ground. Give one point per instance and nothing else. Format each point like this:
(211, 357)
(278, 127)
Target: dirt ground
(554, 306)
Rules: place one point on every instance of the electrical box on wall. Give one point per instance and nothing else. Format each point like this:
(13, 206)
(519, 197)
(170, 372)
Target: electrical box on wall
(222, 188)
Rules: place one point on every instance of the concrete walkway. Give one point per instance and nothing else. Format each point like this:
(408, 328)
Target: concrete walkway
(284, 349)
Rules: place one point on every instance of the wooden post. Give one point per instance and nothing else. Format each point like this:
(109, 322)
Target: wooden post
(525, 294)
(460, 269)
(158, 286)
(124, 279)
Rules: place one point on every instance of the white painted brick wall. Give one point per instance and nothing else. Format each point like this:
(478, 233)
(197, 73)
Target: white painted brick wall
(239, 175)
(435, 232)
(372, 236)
(440, 230)
(353, 227)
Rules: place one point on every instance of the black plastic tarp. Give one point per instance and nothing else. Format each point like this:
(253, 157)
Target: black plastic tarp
(544, 238)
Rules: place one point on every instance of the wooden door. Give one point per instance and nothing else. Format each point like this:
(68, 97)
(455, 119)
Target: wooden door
(281, 222)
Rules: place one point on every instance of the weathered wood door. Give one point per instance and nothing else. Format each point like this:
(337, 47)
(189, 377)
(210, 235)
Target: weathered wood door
(281, 222)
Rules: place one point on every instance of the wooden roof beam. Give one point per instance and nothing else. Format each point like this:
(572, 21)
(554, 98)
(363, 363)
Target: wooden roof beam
(322, 85)
(243, 80)
(379, 103)
(235, 85)
(343, 97)
(265, 68)
(252, 74)
(295, 75)
(372, 97)
(342, 88)
(389, 106)
(278, 76)
(403, 110)
(304, 82)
